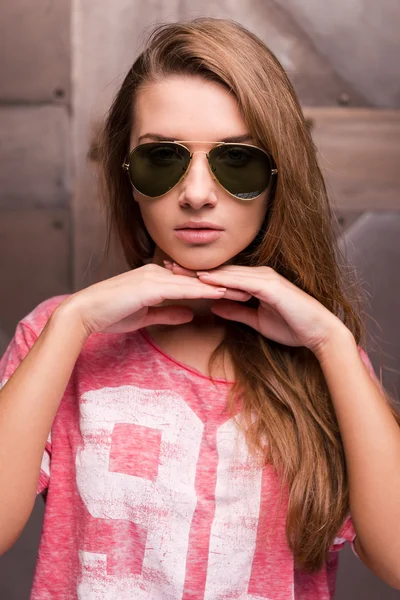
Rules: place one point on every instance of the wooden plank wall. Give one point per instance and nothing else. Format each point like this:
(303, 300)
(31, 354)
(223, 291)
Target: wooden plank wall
(35, 156)
(359, 152)
(61, 70)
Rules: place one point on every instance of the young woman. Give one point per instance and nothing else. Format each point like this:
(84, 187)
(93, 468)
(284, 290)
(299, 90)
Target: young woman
(203, 425)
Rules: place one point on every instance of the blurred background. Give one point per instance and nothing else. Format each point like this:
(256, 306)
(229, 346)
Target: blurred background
(61, 65)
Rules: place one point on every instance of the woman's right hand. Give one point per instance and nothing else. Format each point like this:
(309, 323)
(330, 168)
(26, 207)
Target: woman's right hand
(127, 301)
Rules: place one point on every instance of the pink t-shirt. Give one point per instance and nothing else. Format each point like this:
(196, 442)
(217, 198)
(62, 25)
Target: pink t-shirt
(151, 492)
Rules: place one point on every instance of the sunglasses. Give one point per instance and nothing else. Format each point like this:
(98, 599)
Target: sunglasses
(243, 170)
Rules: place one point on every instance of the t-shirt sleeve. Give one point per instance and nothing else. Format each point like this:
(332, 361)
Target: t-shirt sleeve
(18, 348)
(347, 532)
(26, 333)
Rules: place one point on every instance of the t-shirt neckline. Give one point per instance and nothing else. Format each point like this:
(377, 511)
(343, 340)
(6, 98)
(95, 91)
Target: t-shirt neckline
(145, 334)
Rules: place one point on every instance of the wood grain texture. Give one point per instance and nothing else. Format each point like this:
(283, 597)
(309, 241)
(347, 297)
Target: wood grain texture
(313, 76)
(34, 156)
(35, 47)
(359, 40)
(35, 263)
(359, 152)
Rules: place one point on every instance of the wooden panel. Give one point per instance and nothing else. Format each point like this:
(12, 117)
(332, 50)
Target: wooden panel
(34, 261)
(315, 80)
(34, 156)
(4, 339)
(17, 565)
(372, 246)
(345, 219)
(35, 38)
(359, 40)
(359, 151)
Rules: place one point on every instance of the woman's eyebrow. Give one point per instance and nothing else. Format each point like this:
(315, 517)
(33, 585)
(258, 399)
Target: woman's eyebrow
(164, 138)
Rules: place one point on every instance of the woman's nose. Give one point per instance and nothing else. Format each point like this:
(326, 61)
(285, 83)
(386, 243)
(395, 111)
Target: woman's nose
(198, 185)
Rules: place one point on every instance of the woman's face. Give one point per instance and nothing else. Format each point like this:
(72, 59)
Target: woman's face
(190, 108)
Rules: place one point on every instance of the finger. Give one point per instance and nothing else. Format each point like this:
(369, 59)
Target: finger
(174, 290)
(169, 277)
(245, 282)
(237, 295)
(168, 265)
(262, 270)
(173, 267)
(177, 269)
(252, 274)
(182, 275)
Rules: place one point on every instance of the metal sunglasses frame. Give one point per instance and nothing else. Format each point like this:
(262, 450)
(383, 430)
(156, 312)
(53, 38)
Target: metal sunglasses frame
(182, 143)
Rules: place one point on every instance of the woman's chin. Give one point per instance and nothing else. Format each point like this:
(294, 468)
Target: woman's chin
(198, 260)
(201, 265)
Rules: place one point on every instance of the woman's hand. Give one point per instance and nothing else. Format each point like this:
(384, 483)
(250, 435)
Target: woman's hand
(129, 301)
(285, 313)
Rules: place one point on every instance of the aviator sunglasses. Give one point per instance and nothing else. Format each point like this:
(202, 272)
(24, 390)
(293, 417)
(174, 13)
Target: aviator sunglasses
(243, 170)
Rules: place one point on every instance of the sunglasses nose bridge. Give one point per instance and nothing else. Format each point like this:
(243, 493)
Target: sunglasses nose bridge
(197, 185)
(199, 152)
(208, 160)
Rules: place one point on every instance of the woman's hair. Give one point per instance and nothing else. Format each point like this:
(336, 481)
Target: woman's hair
(285, 398)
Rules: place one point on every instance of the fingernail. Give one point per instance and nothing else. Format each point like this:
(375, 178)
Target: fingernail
(167, 262)
(202, 273)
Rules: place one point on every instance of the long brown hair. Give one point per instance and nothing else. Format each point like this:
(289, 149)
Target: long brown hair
(282, 387)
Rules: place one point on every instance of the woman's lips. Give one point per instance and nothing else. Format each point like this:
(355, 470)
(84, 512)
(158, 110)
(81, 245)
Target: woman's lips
(198, 236)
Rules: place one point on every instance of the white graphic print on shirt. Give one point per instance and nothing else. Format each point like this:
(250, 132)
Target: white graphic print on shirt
(146, 459)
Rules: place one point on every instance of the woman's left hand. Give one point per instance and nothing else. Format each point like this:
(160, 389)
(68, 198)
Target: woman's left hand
(285, 314)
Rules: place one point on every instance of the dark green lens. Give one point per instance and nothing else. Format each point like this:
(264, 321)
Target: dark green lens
(155, 168)
(245, 171)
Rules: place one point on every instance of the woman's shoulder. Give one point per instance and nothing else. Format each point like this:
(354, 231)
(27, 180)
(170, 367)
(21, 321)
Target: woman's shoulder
(37, 318)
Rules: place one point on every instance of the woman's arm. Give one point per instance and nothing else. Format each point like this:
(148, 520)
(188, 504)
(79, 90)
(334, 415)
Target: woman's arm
(371, 439)
(30, 398)
(28, 404)
(370, 433)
